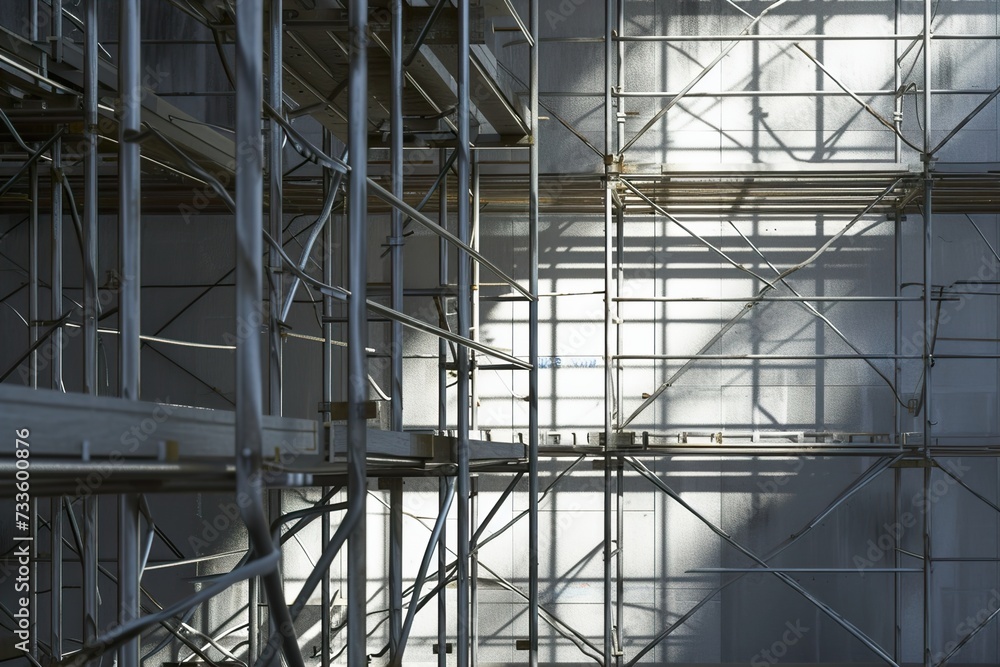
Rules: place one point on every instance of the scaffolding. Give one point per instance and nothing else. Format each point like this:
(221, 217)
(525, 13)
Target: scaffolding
(158, 152)
(682, 193)
(163, 151)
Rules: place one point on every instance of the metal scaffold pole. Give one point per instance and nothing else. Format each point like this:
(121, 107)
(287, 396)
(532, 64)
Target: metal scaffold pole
(130, 197)
(58, 343)
(617, 378)
(619, 559)
(357, 334)
(33, 318)
(274, 273)
(897, 366)
(33, 275)
(56, 577)
(396, 235)
(274, 205)
(463, 279)
(474, 414)
(610, 158)
(474, 575)
(442, 602)
(130, 248)
(249, 207)
(327, 393)
(396, 349)
(395, 485)
(927, 328)
(56, 266)
(474, 363)
(533, 341)
(91, 303)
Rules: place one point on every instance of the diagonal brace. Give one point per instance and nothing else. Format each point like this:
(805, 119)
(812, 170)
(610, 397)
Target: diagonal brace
(784, 578)
(768, 286)
(855, 486)
(701, 75)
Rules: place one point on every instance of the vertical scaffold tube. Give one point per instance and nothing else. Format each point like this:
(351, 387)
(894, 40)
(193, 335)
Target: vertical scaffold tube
(464, 305)
(357, 333)
(129, 241)
(533, 430)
